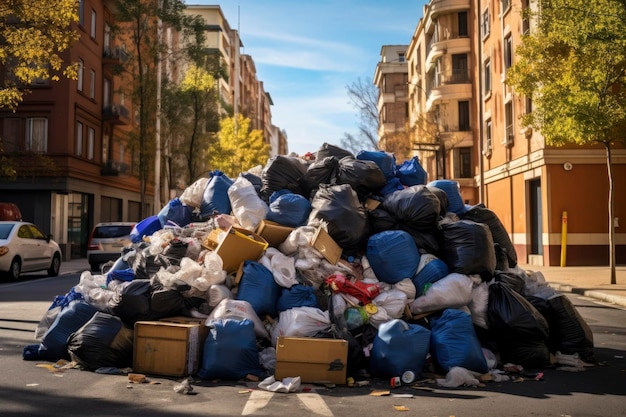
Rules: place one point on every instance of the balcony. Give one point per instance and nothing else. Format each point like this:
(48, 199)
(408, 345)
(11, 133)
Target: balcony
(116, 114)
(114, 168)
(114, 56)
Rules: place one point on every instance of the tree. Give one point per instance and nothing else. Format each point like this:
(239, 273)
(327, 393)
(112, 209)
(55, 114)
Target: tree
(33, 36)
(364, 97)
(238, 149)
(192, 114)
(573, 66)
(139, 29)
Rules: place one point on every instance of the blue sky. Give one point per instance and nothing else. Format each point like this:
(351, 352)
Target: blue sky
(307, 52)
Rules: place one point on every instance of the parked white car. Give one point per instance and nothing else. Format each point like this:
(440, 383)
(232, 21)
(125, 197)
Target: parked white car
(25, 248)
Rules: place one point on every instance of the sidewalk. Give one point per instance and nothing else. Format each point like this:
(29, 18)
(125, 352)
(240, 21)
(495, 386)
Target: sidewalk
(590, 281)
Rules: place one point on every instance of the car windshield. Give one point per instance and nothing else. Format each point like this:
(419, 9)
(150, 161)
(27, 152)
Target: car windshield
(5, 230)
(103, 232)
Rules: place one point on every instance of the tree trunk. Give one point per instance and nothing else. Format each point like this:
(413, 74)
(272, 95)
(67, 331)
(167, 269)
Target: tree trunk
(609, 168)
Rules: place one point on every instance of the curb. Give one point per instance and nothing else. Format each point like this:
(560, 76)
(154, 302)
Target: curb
(598, 295)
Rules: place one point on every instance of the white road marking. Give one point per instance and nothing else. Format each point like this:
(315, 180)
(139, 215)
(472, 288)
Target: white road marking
(315, 403)
(258, 400)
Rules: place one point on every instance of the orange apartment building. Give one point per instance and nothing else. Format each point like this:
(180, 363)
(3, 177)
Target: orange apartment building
(69, 136)
(456, 62)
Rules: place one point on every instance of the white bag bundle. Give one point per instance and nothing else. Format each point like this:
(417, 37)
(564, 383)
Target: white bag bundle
(213, 270)
(192, 196)
(249, 209)
(300, 322)
(282, 266)
(452, 291)
(393, 301)
(479, 303)
(217, 293)
(406, 286)
(238, 310)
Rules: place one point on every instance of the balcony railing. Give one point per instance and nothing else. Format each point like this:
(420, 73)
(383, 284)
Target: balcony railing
(116, 114)
(115, 55)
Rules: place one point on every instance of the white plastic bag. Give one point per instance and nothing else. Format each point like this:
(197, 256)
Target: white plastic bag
(452, 291)
(238, 310)
(247, 206)
(300, 322)
(192, 196)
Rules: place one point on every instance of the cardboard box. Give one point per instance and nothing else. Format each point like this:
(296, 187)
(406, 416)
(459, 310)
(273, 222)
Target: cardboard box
(371, 204)
(326, 245)
(274, 233)
(312, 359)
(235, 246)
(168, 348)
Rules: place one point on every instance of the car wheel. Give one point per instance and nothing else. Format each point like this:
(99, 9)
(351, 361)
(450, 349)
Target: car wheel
(15, 269)
(53, 271)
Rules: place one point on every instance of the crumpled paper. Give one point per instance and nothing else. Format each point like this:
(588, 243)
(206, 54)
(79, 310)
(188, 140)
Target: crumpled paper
(285, 385)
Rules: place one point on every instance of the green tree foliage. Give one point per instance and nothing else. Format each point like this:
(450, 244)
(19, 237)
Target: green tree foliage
(573, 66)
(33, 36)
(191, 111)
(238, 148)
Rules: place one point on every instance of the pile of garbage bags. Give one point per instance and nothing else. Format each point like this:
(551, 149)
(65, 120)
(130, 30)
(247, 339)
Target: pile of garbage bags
(424, 281)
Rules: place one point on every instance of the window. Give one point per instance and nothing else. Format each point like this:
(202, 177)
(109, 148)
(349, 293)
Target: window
(529, 105)
(107, 38)
(81, 69)
(91, 139)
(487, 77)
(12, 133)
(81, 12)
(488, 146)
(37, 134)
(459, 68)
(463, 166)
(92, 84)
(484, 24)
(462, 18)
(79, 139)
(464, 116)
(506, 5)
(93, 24)
(508, 52)
(508, 119)
(106, 93)
(401, 57)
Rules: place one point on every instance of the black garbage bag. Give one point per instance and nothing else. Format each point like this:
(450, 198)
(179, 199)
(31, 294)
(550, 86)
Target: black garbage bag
(443, 199)
(282, 172)
(512, 279)
(468, 248)
(513, 316)
(175, 251)
(427, 240)
(327, 150)
(145, 264)
(131, 301)
(168, 301)
(481, 214)
(380, 220)
(416, 206)
(321, 171)
(339, 207)
(569, 333)
(364, 176)
(103, 342)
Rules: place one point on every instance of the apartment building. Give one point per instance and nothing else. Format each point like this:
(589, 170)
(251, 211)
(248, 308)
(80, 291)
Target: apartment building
(465, 125)
(391, 79)
(69, 138)
(242, 91)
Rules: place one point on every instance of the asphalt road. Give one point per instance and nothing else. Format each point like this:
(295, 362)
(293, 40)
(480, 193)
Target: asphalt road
(34, 388)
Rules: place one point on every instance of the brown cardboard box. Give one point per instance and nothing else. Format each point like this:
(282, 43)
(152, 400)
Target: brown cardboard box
(312, 359)
(274, 233)
(168, 348)
(326, 245)
(235, 246)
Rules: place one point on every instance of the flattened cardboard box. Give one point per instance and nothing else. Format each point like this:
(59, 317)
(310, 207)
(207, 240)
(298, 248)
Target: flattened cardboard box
(168, 348)
(326, 245)
(312, 359)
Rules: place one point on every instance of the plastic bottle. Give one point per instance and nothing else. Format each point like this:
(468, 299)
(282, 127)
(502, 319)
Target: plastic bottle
(356, 317)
